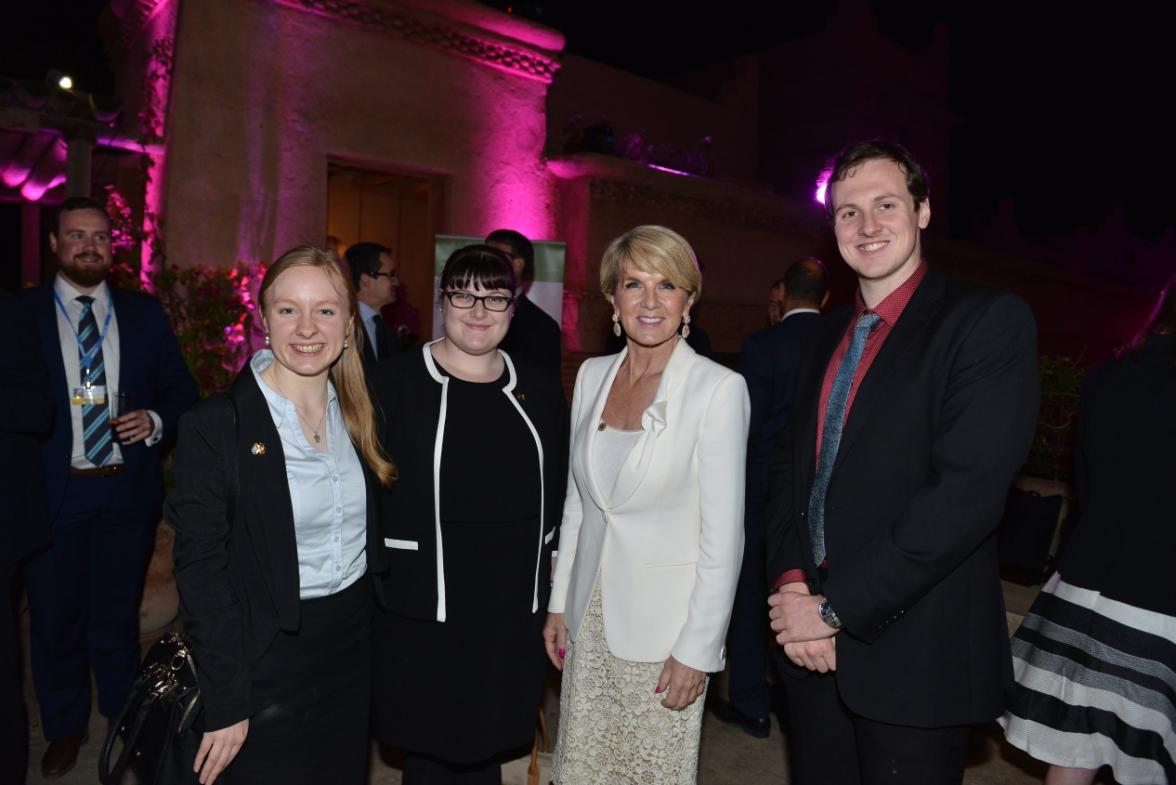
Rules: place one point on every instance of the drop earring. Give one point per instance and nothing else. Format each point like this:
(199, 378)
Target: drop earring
(616, 324)
(686, 326)
(267, 339)
(344, 343)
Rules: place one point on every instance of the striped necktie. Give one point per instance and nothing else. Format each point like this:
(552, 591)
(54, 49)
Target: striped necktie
(831, 431)
(95, 417)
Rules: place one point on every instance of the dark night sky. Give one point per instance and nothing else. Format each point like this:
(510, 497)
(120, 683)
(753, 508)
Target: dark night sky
(1065, 111)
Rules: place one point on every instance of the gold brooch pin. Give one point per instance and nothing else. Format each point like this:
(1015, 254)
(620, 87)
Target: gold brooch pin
(257, 449)
(522, 396)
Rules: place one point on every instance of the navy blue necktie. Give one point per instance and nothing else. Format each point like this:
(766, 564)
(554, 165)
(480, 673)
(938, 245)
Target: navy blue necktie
(381, 331)
(831, 431)
(95, 417)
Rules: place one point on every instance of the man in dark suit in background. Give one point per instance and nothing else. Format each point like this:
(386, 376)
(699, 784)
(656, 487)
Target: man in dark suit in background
(26, 413)
(533, 337)
(768, 362)
(776, 302)
(373, 271)
(914, 409)
(103, 484)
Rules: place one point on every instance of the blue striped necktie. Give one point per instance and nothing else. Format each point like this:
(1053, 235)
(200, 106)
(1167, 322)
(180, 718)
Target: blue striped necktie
(95, 416)
(831, 431)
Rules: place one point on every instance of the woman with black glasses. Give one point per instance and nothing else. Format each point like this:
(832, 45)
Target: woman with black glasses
(468, 533)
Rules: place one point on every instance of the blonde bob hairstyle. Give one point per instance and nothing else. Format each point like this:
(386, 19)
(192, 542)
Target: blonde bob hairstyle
(347, 372)
(651, 249)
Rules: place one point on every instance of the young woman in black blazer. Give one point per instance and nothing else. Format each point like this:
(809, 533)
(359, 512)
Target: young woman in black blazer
(468, 533)
(275, 511)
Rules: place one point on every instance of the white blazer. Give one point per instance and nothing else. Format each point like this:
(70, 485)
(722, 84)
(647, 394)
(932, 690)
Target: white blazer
(667, 545)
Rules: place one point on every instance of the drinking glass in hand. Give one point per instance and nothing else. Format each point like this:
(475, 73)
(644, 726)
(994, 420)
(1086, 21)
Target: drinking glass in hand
(118, 404)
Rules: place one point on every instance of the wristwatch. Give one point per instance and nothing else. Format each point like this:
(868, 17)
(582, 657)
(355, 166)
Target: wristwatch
(828, 615)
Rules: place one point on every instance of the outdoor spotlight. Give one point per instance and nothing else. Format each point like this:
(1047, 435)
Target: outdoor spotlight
(59, 78)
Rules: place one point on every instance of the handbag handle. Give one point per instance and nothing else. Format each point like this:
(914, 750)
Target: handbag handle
(113, 776)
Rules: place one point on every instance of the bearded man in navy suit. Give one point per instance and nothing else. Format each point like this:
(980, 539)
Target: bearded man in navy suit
(103, 485)
(914, 409)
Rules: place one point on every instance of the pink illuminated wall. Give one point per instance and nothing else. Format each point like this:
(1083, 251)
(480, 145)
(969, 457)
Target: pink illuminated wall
(142, 55)
(265, 93)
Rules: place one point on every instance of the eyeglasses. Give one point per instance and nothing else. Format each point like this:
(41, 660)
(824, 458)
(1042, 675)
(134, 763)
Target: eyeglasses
(379, 274)
(491, 302)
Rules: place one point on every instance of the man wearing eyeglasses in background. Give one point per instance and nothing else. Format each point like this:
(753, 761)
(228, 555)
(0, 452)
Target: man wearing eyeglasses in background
(373, 271)
(534, 337)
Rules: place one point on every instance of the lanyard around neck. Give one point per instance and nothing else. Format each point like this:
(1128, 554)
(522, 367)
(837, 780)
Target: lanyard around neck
(87, 357)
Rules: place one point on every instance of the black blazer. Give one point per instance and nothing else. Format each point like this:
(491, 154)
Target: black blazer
(939, 427)
(1125, 538)
(237, 570)
(411, 397)
(533, 338)
(768, 362)
(26, 413)
(391, 342)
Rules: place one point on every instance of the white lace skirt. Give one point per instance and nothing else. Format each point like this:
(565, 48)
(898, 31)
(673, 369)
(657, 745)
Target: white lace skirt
(612, 727)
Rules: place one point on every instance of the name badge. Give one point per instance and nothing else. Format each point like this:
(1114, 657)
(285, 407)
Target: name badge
(94, 395)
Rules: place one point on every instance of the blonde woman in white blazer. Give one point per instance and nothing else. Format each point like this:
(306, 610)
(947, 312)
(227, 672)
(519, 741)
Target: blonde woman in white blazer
(652, 533)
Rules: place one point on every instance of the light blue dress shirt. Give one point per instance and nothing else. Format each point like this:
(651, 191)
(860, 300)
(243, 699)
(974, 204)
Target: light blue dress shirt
(366, 312)
(327, 493)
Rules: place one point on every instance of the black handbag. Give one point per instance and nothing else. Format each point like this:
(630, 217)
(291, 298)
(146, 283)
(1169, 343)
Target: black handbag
(156, 726)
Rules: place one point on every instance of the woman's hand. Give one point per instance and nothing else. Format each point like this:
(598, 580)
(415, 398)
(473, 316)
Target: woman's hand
(217, 750)
(555, 638)
(681, 684)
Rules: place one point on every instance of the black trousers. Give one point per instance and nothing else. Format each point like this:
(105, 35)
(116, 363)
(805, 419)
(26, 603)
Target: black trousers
(14, 733)
(423, 770)
(829, 744)
(311, 697)
(84, 594)
(747, 636)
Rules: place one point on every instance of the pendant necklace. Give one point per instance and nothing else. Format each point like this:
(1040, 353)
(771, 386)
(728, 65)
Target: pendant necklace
(316, 432)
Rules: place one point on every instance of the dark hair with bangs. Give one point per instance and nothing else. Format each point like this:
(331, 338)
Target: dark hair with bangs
(478, 267)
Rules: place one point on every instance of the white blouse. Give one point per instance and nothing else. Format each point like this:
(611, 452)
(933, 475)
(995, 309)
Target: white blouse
(327, 493)
(610, 449)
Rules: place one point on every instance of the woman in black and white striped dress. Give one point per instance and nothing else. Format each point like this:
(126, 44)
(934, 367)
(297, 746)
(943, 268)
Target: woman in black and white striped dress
(1095, 659)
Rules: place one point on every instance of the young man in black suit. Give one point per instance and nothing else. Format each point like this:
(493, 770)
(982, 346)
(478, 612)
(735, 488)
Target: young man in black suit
(768, 362)
(534, 337)
(914, 409)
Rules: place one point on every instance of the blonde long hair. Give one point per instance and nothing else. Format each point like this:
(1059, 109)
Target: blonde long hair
(347, 373)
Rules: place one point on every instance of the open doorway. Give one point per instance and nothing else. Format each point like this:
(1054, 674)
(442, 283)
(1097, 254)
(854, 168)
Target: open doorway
(401, 211)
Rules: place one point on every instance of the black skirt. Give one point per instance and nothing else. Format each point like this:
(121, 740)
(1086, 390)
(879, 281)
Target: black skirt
(467, 689)
(311, 696)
